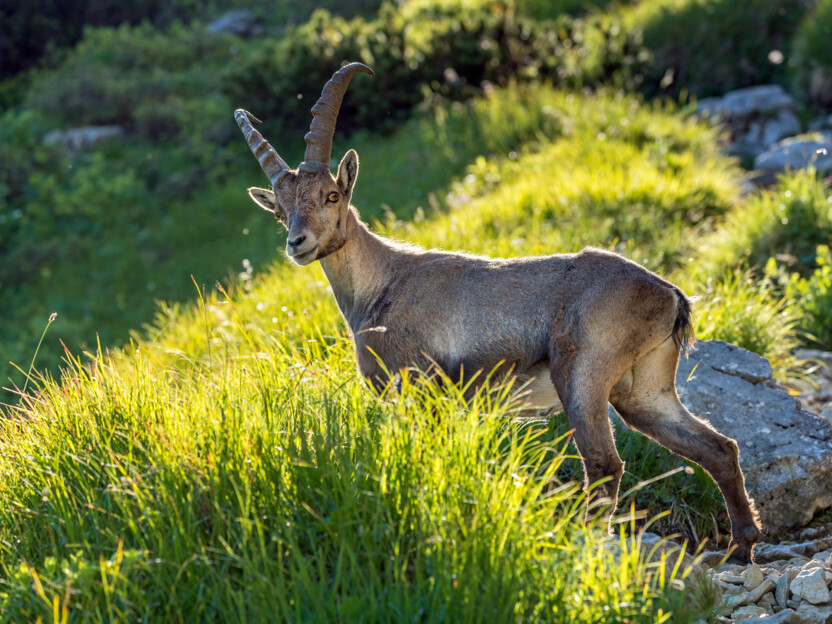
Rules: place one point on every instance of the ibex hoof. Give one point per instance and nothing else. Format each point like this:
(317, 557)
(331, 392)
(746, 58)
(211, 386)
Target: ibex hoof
(740, 553)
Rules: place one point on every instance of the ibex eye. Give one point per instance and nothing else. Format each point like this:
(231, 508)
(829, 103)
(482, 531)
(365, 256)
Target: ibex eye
(333, 197)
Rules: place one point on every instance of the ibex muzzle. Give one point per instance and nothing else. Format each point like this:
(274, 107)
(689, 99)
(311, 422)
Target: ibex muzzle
(577, 331)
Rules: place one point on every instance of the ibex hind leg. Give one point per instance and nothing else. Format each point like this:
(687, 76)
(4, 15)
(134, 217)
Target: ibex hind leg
(653, 408)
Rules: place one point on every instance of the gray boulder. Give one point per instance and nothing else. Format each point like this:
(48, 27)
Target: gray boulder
(747, 102)
(78, 139)
(820, 124)
(240, 22)
(797, 153)
(785, 452)
(756, 117)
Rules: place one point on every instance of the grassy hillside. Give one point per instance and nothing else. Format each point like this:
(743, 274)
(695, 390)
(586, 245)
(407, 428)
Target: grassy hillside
(145, 213)
(234, 451)
(229, 462)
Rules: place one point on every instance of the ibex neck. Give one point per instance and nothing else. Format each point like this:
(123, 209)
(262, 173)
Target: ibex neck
(358, 271)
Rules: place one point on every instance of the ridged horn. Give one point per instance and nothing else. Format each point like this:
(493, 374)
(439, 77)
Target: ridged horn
(273, 165)
(324, 113)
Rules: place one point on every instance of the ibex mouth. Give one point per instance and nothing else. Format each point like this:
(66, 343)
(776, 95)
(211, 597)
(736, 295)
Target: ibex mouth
(303, 258)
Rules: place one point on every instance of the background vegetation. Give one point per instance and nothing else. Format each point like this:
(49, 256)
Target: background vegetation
(230, 448)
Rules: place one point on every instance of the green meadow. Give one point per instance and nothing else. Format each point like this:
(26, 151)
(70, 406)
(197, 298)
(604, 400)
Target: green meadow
(189, 438)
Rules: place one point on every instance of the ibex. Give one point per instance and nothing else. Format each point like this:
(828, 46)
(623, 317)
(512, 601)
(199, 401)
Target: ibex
(579, 330)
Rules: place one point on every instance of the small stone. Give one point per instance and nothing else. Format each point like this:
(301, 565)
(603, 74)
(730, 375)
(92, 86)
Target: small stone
(815, 615)
(827, 413)
(824, 555)
(763, 588)
(815, 563)
(734, 579)
(810, 585)
(712, 558)
(753, 576)
(768, 600)
(745, 613)
(731, 600)
(786, 616)
(767, 553)
(781, 592)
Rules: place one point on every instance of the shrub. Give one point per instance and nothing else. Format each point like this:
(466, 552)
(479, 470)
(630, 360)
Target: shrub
(812, 296)
(161, 84)
(811, 65)
(789, 221)
(708, 47)
(30, 29)
(550, 9)
(427, 48)
(749, 310)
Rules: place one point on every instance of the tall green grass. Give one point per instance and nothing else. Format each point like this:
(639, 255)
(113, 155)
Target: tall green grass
(231, 463)
(262, 481)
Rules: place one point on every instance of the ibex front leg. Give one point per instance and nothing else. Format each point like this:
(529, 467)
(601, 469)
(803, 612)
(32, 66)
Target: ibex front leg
(585, 403)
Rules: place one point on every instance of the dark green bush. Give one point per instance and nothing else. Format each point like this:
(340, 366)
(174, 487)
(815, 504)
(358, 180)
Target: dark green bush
(708, 47)
(812, 297)
(30, 29)
(430, 49)
(550, 9)
(789, 220)
(811, 64)
(163, 85)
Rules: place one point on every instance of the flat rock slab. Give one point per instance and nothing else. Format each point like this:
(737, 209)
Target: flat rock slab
(747, 101)
(798, 153)
(785, 452)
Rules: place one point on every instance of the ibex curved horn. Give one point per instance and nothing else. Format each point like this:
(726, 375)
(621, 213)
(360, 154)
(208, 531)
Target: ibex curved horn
(324, 113)
(273, 165)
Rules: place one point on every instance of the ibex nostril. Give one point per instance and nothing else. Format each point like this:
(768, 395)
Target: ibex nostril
(297, 241)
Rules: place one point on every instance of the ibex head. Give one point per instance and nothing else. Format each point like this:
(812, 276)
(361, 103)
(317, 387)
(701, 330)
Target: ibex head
(309, 201)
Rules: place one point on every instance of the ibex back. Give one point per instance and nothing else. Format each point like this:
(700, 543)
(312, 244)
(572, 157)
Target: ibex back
(579, 330)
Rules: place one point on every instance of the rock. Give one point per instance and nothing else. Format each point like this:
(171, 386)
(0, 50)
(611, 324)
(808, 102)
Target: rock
(785, 452)
(746, 102)
(732, 599)
(768, 601)
(240, 22)
(746, 613)
(765, 131)
(761, 590)
(816, 563)
(756, 117)
(786, 616)
(713, 558)
(796, 153)
(766, 553)
(815, 615)
(781, 592)
(810, 585)
(753, 576)
(824, 555)
(827, 414)
(78, 139)
(822, 123)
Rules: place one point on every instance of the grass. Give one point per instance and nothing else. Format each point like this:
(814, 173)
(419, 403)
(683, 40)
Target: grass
(262, 481)
(233, 451)
(230, 462)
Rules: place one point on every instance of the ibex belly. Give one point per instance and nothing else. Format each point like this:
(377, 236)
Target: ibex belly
(535, 390)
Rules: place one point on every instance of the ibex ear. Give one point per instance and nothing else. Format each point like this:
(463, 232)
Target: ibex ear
(264, 198)
(348, 172)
